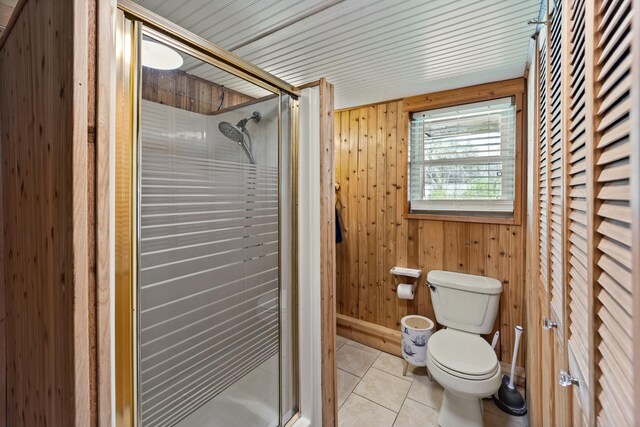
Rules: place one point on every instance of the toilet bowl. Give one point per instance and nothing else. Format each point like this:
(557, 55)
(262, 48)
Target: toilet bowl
(468, 370)
(458, 357)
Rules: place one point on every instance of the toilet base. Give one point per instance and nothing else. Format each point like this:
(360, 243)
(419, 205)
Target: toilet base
(458, 411)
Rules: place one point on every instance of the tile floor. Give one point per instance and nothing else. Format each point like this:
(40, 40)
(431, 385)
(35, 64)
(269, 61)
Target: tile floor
(372, 392)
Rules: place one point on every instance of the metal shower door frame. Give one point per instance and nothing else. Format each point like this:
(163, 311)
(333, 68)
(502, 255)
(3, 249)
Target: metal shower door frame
(132, 22)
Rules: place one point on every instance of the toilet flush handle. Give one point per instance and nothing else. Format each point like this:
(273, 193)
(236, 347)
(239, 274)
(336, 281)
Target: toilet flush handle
(433, 288)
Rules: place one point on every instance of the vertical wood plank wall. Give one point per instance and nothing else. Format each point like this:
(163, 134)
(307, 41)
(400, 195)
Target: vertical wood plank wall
(370, 151)
(45, 155)
(188, 92)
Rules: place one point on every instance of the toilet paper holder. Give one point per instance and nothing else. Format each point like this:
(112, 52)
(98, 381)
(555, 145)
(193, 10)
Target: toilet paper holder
(409, 275)
(406, 272)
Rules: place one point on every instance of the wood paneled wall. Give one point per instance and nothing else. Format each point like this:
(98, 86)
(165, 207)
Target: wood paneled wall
(45, 157)
(371, 156)
(188, 92)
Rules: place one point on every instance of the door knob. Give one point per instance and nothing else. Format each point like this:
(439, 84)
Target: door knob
(548, 324)
(565, 379)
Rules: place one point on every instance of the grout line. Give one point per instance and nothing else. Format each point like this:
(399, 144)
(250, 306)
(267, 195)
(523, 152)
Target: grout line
(406, 396)
(359, 381)
(362, 349)
(423, 404)
(420, 403)
(352, 373)
(354, 387)
(376, 403)
(355, 375)
(343, 343)
(403, 377)
(385, 372)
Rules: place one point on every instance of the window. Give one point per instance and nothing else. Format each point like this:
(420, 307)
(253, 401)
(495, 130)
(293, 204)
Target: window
(462, 160)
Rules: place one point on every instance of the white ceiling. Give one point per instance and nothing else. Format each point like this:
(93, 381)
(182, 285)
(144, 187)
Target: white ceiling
(370, 50)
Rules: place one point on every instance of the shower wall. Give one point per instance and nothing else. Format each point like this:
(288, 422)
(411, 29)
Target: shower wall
(208, 285)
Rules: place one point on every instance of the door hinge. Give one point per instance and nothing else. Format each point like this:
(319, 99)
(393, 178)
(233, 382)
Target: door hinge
(548, 324)
(565, 379)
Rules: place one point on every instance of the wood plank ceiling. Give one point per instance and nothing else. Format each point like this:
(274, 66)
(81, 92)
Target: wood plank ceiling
(370, 50)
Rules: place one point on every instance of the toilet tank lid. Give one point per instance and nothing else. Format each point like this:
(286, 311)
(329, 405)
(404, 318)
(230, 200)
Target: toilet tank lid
(465, 282)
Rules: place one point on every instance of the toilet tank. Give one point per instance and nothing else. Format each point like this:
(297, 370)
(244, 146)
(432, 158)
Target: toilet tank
(464, 301)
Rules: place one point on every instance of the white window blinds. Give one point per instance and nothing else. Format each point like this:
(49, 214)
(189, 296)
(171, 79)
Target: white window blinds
(462, 158)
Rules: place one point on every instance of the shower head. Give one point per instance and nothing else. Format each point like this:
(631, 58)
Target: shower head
(232, 132)
(235, 132)
(238, 132)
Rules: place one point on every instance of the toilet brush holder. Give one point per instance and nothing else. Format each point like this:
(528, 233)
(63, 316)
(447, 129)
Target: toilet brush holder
(508, 397)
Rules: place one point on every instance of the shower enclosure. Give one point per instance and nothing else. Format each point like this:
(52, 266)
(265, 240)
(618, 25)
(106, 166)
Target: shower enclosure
(205, 253)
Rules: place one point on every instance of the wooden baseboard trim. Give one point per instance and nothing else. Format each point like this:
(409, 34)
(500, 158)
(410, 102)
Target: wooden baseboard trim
(390, 340)
(367, 333)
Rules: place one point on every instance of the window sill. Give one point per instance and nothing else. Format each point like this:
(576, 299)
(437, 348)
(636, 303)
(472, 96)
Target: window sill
(463, 218)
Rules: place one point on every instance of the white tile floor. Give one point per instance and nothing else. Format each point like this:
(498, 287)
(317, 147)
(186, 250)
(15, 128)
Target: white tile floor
(372, 392)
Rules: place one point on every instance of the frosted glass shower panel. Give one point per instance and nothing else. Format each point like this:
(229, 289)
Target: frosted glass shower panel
(209, 276)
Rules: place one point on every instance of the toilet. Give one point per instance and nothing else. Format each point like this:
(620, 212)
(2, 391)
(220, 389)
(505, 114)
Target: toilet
(458, 357)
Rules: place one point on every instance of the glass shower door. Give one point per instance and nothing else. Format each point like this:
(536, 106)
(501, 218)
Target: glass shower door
(215, 327)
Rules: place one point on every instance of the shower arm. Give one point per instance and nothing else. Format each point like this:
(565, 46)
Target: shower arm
(243, 123)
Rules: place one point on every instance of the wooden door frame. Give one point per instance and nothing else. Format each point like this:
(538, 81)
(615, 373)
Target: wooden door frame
(328, 256)
(327, 253)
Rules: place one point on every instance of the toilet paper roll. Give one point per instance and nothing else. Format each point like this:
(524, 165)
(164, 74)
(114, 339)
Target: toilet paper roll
(405, 291)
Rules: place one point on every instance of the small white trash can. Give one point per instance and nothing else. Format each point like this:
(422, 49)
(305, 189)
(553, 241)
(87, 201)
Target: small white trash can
(416, 331)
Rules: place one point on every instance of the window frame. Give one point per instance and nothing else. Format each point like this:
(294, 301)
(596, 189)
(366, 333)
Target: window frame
(514, 88)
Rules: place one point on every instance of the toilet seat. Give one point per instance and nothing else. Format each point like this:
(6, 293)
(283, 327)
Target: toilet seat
(463, 355)
(461, 375)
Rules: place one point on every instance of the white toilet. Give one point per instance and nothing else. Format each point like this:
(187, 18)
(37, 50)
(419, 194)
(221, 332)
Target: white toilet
(458, 357)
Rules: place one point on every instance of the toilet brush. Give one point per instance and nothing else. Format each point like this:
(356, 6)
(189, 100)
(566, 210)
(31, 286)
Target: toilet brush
(508, 398)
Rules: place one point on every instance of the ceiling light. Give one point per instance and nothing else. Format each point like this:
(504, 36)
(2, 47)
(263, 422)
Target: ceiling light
(160, 56)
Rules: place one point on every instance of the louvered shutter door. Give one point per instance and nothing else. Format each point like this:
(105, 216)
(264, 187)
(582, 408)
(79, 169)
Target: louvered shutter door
(577, 208)
(555, 155)
(613, 213)
(543, 176)
(586, 181)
